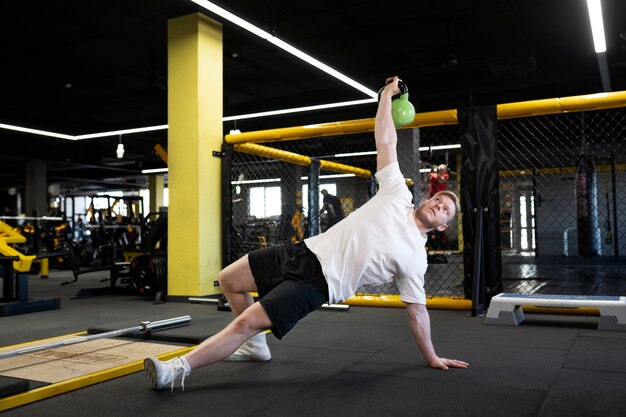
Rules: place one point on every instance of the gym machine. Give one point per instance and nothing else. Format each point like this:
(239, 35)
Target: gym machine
(14, 267)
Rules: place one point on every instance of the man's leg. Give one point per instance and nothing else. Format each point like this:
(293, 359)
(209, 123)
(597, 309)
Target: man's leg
(250, 323)
(236, 281)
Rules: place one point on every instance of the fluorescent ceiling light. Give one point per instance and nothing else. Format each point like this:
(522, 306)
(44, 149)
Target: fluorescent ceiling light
(154, 171)
(121, 132)
(36, 131)
(81, 137)
(440, 147)
(344, 155)
(278, 179)
(597, 25)
(330, 176)
(258, 32)
(299, 109)
(165, 127)
(421, 149)
(256, 181)
(283, 45)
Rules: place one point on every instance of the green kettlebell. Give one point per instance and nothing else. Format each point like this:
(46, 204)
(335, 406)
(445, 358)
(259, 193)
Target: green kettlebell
(402, 111)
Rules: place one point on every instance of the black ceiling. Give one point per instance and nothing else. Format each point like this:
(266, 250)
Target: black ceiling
(79, 67)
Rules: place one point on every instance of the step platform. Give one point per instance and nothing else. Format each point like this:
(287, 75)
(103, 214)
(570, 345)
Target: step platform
(506, 308)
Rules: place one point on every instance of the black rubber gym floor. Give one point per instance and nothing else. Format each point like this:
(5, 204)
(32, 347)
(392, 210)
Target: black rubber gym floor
(360, 362)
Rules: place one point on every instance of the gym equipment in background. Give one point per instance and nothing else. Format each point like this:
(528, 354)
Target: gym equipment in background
(148, 272)
(14, 266)
(589, 234)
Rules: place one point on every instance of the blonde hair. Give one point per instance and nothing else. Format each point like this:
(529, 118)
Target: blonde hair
(453, 197)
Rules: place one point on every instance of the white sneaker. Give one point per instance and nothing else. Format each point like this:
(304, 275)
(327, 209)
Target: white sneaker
(162, 373)
(254, 349)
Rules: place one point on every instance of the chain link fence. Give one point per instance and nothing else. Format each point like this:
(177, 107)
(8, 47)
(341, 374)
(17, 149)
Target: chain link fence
(553, 169)
(562, 203)
(270, 196)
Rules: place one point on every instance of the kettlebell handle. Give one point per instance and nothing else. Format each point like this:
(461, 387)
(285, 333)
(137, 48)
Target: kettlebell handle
(403, 90)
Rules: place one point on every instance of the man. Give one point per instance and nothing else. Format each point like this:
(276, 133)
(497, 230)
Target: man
(439, 180)
(332, 206)
(381, 241)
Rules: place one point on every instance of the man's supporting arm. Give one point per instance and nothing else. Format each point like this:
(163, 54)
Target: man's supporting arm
(419, 322)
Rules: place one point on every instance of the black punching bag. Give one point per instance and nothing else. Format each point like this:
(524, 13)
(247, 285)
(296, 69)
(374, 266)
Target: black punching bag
(589, 238)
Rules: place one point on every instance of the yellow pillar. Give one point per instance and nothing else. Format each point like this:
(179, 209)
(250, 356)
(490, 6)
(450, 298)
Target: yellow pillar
(195, 130)
(155, 186)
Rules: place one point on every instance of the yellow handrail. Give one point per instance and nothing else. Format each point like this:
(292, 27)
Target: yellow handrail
(298, 159)
(437, 118)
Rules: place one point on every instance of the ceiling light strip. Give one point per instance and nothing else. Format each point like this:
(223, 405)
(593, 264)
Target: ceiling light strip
(345, 155)
(421, 149)
(283, 45)
(154, 171)
(442, 147)
(36, 131)
(258, 32)
(256, 181)
(121, 132)
(164, 127)
(597, 25)
(330, 176)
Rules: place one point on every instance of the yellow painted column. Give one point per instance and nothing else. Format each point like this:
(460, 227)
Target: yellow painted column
(156, 186)
(195, 130)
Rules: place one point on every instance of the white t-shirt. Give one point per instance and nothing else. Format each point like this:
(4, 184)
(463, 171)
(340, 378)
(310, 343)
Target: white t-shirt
(376, 244)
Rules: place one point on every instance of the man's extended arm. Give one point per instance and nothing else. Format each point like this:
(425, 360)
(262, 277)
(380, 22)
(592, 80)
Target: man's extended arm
(419, 322)
(384, 129)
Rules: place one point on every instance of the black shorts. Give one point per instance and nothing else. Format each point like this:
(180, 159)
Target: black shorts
(290, 283)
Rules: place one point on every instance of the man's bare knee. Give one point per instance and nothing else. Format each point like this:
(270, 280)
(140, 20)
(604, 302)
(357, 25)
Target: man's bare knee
(223, 279)
(253, 320)
(237, 277)
(242, 326)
